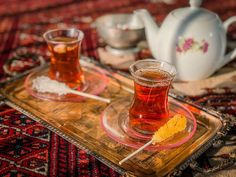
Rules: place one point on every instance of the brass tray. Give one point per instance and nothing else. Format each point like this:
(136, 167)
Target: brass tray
(79, 123)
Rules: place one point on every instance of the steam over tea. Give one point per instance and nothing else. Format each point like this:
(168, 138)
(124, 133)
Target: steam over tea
(149, 109)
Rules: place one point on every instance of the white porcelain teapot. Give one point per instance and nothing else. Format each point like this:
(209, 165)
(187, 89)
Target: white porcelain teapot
(192, 38)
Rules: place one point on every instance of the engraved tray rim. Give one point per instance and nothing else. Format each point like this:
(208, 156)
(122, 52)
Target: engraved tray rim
(176, 171)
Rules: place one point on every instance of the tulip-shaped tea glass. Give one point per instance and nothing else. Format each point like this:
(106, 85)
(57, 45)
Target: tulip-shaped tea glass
(64, 46)
(149, 109)
(132, 121)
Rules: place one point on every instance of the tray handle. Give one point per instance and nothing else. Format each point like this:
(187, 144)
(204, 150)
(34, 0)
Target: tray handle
(227, 160)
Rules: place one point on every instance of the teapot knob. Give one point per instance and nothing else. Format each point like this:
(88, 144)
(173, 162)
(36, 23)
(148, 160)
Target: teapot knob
(195, 3)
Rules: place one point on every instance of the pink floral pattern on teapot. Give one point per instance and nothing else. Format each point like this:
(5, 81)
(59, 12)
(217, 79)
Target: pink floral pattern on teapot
(190, 44)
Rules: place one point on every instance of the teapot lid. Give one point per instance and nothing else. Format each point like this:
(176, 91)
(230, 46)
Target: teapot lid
(194, 12)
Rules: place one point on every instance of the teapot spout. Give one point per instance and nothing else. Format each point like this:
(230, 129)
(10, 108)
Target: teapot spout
(151, 28)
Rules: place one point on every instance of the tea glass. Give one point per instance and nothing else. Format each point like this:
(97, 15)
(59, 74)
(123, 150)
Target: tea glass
(149, 108)
(64, 46)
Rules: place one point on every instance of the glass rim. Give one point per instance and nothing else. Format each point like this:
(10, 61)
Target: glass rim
(79, 38)
(152, 80)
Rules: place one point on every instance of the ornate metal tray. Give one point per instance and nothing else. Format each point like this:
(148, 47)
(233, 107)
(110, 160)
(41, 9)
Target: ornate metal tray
(79, 123)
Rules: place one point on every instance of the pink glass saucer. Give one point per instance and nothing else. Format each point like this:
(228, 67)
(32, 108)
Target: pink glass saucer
(114, 122)
(95, 79)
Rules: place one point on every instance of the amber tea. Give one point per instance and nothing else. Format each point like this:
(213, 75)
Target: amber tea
(149, 109)
(64, 46)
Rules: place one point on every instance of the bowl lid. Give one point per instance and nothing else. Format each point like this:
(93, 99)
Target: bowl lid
(194, 12)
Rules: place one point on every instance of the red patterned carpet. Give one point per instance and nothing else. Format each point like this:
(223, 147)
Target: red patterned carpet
(26, 147)
(29, 149)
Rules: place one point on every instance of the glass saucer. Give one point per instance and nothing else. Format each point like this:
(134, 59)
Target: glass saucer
(114, 122)
(95, 79)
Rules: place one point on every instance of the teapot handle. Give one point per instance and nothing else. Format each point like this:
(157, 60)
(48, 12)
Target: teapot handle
(231, 55)
(228, 22)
